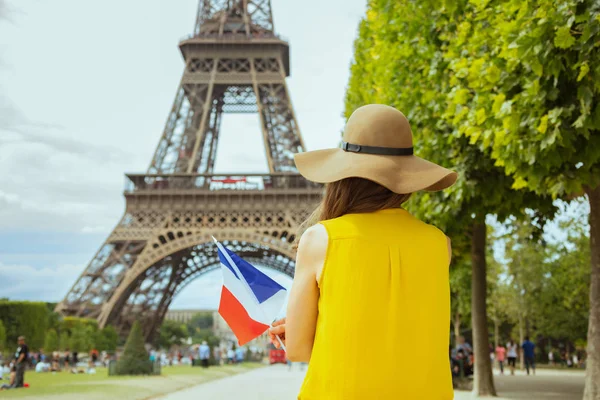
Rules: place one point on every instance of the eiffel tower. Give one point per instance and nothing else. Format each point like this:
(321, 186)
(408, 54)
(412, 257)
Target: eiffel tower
(234, 63)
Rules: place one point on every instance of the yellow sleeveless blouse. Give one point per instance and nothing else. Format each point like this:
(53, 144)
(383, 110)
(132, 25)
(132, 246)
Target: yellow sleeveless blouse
(384, 312)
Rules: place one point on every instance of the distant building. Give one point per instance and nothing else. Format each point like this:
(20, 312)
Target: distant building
(185, 316)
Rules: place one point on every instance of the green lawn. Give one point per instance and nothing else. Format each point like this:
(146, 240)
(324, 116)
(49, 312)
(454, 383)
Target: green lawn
(100, 386)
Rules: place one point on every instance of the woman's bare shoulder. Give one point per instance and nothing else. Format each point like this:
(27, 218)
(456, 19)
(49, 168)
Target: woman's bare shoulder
(312, 247)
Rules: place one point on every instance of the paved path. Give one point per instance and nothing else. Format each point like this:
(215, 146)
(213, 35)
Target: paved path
(270, 383)
(278, 383)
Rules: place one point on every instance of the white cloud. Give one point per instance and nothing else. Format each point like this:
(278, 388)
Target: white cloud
(25, 282)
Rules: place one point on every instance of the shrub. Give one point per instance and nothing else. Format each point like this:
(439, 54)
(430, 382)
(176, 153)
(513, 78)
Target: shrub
(135, 359)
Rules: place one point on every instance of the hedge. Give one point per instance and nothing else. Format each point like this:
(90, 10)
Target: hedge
(24, 318)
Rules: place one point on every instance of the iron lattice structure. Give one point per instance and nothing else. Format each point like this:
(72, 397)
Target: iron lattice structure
(234, 63)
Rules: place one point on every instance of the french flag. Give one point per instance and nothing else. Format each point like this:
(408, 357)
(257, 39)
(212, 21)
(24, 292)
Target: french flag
(250, 300)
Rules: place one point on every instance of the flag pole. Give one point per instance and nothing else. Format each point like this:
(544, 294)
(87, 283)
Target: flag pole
(247, 286)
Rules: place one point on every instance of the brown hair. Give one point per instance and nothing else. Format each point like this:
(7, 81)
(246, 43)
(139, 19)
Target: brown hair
(352, 196)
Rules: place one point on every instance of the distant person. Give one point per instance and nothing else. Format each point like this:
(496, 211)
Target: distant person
(500, 356)
(21, 358)
(42, 367)
(75, 359)
(462, 361)
(239, 355)
(230, 356)
(575, 360)
(529, 354)
(511, 355)
(94, 356)
(67, 359)
(464, 346)
(204, 353)
(12, 383)
(551, 357)
(217, 355)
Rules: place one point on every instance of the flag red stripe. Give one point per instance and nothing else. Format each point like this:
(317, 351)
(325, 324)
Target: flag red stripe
(236, 316)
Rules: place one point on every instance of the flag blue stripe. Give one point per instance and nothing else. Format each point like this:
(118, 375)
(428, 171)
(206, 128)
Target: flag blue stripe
(261, 284)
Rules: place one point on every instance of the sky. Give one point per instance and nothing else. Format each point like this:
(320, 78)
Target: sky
(85, 89)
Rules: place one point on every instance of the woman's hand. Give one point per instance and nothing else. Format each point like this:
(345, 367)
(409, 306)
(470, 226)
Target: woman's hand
(278, 329)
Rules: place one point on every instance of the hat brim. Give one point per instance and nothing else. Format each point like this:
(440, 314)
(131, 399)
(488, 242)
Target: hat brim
(400, 174)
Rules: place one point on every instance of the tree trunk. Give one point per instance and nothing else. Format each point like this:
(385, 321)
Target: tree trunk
(592, 378)
(456, 327)
(483, 382)
(521, 339)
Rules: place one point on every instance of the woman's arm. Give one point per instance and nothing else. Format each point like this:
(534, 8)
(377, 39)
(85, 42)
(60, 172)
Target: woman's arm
(302, 309)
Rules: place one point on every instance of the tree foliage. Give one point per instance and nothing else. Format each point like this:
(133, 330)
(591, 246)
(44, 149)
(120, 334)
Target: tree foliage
(24, 318)
(200, 321)
(106, 339)
(2, 337)
(543, 283)
(80, 340)
(51, 342)
(171, 333)
(69, 324)
(526, 84)
(64, 341)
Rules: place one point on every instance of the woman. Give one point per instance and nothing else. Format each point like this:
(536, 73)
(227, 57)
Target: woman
(511, 355)
(500, 355)
(369, 272)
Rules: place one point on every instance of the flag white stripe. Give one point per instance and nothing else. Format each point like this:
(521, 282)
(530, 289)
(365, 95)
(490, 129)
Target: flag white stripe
(270, 307)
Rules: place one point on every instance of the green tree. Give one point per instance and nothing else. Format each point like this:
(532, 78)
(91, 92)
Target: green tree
(64, 341)
(51, 342)
(135, 359)
(80, 340)
(171, 333)
(400, 59)
(200, 321)
(54, 318)
(2, 337)
(529, 79)
(71, 323)
(563, 305)
(542, 286)
(97, 340)
(110, 338)
(24, 318)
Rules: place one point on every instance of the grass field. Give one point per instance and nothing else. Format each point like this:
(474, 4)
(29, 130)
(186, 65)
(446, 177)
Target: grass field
(68, 386)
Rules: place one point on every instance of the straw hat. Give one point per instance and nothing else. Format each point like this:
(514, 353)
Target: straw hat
(377, 145)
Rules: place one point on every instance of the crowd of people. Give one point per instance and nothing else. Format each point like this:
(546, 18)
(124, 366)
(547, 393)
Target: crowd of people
(14, 369)
(506, 356)
(12, 372)
(202, 353)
